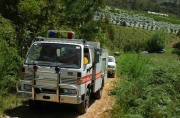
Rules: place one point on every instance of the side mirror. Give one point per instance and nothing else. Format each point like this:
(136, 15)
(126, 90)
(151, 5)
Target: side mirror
(96, 55)
(23, 52)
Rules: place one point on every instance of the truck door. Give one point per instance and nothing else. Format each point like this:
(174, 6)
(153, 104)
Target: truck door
(88, 66)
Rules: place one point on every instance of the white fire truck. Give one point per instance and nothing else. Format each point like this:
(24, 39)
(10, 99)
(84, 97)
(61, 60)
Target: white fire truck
(63, 71)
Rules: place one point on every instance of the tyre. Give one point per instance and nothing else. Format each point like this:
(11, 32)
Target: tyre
(34, 104)
(82, 107)
(113, 75)
(98, 94)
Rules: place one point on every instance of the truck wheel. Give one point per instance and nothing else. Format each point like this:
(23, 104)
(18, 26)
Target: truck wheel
(98, 94)
(34, 104)
(82, 107)
(113, 75)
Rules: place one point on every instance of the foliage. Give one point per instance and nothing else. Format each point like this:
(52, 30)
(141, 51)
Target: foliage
(8, 9)
(8, 102)
(33, 18)
(153, 93)
(126, 38)
(178, 34)
(157, 41)
(10, 63)
(28, 8)
(176, 47)
(7, 31)
(135, 66)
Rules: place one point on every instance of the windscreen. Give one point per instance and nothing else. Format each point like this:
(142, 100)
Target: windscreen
(53, 54)
(111, 59)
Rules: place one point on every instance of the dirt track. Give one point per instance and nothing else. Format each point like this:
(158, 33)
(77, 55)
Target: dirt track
(98, 108)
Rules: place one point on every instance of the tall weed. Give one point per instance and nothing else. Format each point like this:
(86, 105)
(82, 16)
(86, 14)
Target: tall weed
(10, 63)
(150, 89)
(132, 66)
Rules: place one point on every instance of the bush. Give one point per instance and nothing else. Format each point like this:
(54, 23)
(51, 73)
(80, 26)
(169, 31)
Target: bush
(7, 31)
(132, 66)
(136, 46)
(10, 62)
(153, 93)
(177, 45)
(178, 34)
(176, 51)
(157, 41)
(177, 48)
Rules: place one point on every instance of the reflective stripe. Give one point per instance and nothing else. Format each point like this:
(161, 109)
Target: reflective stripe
(98, 76)
(88, 78)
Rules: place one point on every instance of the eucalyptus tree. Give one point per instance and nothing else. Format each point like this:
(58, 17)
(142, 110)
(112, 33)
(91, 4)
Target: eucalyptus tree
(79, 15)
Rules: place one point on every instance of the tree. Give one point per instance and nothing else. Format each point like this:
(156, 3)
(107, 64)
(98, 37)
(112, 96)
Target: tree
(7, 31)
(10, 64)
(80, 12)
(157, 41)
(8, 9)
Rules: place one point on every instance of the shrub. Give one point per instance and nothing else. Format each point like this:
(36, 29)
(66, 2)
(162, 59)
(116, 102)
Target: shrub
(9, 67)
(136, 46)
(177, 48)
(176, 51)
(157, 41)
(178, 34)
(7, 31)
(177, 45)
(132, 66)
(152, 93)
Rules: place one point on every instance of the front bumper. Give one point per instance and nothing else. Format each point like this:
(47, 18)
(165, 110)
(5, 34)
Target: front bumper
(71, 99)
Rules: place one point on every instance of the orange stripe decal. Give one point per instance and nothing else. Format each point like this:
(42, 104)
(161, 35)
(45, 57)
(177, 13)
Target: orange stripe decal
(87, 78)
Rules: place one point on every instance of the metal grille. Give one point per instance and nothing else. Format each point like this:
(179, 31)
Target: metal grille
(68, 80)
(28, 76)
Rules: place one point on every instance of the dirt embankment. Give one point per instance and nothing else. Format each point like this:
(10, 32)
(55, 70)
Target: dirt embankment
(98, 108)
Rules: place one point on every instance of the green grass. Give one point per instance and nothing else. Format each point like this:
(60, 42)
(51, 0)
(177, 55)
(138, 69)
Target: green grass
(8, 102)
(150, 86)
(128, 39)
(131, 39)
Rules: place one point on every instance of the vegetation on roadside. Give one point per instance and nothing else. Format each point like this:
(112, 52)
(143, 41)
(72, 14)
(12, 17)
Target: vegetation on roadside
(176, 50)
(9, 102)
(150, 86)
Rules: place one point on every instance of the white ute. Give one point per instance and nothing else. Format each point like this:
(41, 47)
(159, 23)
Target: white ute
(111, 66)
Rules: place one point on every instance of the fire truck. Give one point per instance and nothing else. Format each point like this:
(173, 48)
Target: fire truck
(63, 70)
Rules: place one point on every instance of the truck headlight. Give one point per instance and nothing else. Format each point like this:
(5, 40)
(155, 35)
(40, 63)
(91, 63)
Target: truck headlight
(69, 91)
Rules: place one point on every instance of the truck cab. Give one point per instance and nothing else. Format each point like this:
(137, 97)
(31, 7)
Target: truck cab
(55, 71)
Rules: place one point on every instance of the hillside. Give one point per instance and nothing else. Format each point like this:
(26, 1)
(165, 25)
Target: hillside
(169, 1)
(161, 6)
